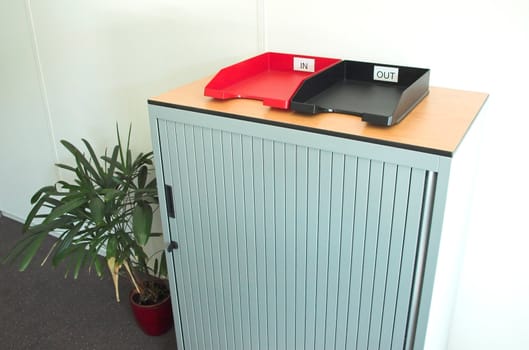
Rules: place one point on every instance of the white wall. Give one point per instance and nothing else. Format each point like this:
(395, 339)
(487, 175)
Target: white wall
(26, 150)
(468, 44)
(71, 69)
(102, 59)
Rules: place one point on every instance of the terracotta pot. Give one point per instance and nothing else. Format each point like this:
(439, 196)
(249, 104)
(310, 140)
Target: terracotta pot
(153, 319)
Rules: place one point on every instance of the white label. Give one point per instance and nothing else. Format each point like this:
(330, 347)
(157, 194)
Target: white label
(386, 74)
(304, 64)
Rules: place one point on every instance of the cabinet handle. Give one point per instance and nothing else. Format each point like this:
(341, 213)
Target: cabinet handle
(169, 201)
(172, 246)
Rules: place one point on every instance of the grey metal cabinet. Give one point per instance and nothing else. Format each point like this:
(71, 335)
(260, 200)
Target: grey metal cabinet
(295, 239)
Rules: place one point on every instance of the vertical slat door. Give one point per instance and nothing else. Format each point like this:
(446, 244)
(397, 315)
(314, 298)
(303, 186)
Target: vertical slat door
(283, 246)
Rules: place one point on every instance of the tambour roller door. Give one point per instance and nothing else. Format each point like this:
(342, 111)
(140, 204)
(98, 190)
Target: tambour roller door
(283, 246)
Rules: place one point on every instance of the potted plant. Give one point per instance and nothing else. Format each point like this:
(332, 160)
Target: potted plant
(107, 207)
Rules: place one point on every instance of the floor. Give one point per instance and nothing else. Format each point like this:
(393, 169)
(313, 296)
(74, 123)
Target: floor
(40, 309)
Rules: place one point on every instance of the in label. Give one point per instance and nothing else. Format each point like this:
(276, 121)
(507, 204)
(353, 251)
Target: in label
(304, 64)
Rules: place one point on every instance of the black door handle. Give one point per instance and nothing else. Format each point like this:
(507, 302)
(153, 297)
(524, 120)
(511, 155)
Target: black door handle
(172, 246)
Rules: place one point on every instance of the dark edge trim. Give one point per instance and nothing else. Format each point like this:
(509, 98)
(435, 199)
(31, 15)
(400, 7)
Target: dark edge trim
(302, 128)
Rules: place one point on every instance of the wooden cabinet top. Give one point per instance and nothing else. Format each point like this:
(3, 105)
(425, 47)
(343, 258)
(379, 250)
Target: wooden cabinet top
(436, 125)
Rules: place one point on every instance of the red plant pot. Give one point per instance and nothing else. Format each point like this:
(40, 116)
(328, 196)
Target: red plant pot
(153, 319)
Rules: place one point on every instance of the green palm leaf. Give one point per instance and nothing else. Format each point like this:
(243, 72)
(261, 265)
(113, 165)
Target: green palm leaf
(109, 203)
(142, 222)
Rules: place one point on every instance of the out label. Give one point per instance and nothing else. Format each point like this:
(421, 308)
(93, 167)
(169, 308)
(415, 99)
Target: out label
(304, 64)
(382, 73)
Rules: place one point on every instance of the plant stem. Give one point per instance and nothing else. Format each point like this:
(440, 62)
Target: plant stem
(132, 278)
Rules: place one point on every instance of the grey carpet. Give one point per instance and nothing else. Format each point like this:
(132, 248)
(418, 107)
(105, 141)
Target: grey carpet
(40, 309)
